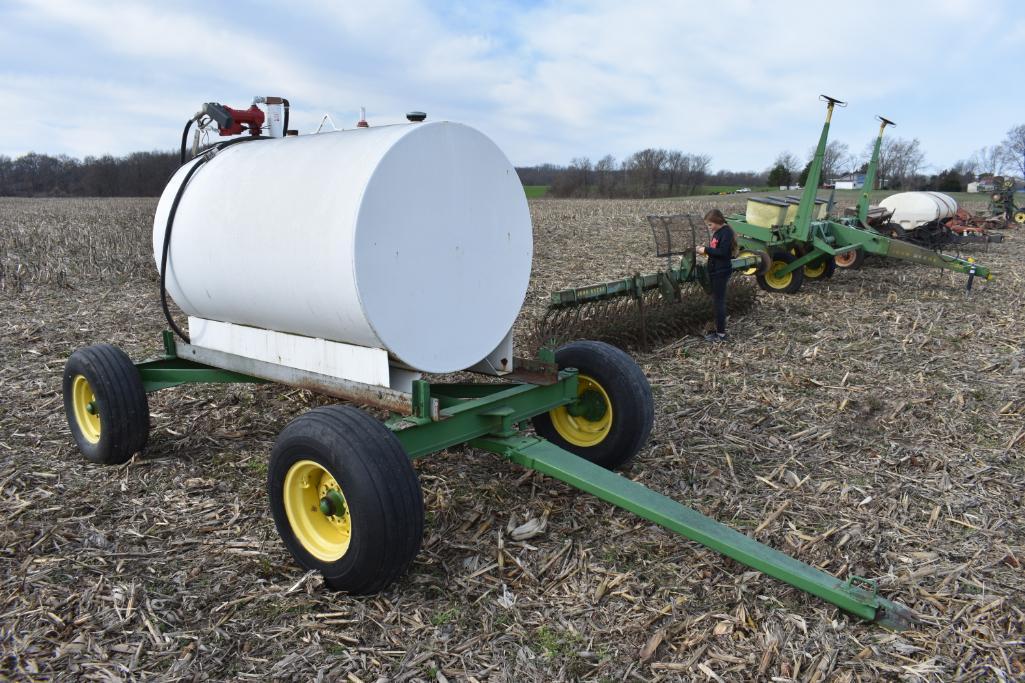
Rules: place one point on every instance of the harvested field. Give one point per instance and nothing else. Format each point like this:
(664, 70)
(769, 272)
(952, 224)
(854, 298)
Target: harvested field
(873, 424)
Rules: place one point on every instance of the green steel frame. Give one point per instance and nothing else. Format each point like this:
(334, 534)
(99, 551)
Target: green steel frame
(870, 172)
(491, 416)
(665, 281)
(817, 239)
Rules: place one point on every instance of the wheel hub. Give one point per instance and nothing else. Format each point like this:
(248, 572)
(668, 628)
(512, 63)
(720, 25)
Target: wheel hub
(317, 510)
(332, 504)
(590, 406)
(775, 278)
(588, 420)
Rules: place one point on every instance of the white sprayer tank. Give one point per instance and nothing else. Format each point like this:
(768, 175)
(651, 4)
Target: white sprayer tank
(912, 209)
(412, 238)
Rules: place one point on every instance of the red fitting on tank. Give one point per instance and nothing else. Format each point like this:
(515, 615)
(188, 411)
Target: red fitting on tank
(252, 118)
(362, 123)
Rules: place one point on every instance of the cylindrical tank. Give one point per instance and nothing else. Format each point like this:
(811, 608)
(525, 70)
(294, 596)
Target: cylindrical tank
(413, 238)
(912, 209)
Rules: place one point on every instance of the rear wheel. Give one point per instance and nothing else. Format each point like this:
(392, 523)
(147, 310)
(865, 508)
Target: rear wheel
(894, 231)
(820, 269)
(850, 260)
(614, 413)
(105, 404)
(773, 280)
(345, 498)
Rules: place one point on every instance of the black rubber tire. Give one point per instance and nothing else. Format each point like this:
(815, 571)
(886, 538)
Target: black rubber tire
(825, 274)
(380, 486)
(120, 402)
(633, 409)
(855, 264)
(894, 231)
(796, 280)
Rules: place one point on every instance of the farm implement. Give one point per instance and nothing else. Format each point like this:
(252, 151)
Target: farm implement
(345, 497)
(643, 308)
(341, 487)
(928, 219)
(1001, 204)
(934, 220)
(803, 243)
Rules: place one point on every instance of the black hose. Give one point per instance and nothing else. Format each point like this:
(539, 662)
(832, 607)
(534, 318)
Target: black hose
(204, 157)
(185, 139)
(167, 245)
(284, 130)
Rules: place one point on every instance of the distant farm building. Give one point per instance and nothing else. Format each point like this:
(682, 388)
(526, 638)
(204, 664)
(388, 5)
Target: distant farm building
(851, 181)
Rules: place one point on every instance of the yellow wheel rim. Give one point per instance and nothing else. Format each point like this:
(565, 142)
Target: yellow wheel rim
(87, 413)
(1019, 217)
(753, 269)
(324, 532)
(577, 429)
(815, 271)
(774, 279)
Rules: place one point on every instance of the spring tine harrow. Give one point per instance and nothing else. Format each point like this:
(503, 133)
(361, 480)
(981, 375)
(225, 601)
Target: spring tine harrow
(639, 321)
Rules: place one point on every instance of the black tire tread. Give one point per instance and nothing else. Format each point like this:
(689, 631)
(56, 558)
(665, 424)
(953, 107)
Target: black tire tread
(124, 409)
(383, 466)
(827, 273)
(795, 282)
(627, 387)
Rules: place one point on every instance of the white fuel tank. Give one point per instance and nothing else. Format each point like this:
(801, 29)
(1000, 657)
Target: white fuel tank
(912, 209)
(413, 238)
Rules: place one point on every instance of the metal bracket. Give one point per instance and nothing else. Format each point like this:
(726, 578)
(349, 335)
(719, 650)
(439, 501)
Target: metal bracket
(357, 392)
(531, 371)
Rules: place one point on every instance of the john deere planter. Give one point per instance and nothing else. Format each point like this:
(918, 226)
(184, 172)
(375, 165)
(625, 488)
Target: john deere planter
(804, 244)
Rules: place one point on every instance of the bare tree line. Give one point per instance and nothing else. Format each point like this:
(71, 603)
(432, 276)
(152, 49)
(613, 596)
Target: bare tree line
(142, 174)
(647, 173)
(651, 172)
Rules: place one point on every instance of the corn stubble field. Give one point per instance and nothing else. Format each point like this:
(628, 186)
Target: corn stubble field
(871, 424)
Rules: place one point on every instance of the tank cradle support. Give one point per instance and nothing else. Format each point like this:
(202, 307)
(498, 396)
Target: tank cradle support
(492, 416)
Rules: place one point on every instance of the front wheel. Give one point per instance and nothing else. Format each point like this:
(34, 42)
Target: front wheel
(773, 280)
(1019, 217)
(345, 498)
(614, 413)
(105, 404)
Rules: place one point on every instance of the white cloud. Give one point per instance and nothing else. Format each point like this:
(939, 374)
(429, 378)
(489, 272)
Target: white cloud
(736, 78)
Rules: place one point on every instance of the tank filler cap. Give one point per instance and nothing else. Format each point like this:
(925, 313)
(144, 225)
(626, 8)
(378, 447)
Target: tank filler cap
(416, 116)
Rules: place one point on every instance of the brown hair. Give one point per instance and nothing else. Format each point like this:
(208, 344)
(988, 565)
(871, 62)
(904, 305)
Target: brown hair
(715, 216)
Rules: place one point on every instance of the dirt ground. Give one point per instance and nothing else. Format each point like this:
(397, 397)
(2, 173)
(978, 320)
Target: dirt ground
(871, 424)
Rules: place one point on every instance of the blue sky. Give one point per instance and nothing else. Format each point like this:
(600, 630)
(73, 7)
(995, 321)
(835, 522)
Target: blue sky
(549, 81)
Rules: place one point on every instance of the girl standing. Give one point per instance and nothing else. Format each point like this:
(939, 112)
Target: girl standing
(720, 251)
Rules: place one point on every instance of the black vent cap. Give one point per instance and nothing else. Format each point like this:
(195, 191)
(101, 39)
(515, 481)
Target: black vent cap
(416, 116)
